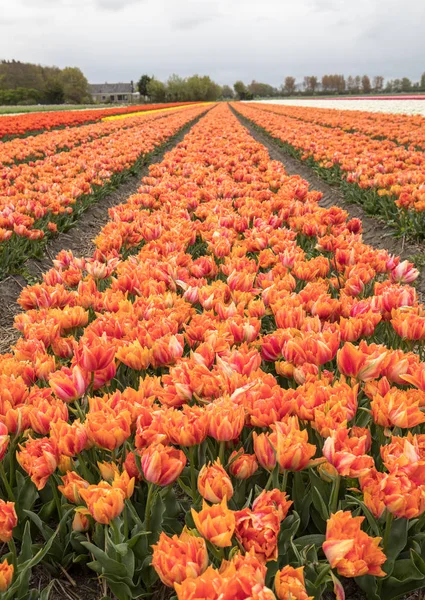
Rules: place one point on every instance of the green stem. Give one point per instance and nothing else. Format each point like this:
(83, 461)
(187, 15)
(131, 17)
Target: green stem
(221, 452)
(6, 483)
(388, 524)
(12, 549)
(284, 480)
(148, 509)
(134, 512)
(115, 531)
(56, 497)
(333, 505)
(12, 454)
(192, 472)
(269, 481)
(126, 529)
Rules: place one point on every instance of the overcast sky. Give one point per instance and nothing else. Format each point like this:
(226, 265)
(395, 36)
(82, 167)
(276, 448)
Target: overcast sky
(118, 40)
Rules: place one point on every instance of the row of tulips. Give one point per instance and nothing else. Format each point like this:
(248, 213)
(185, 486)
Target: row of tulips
(48, 143)
(42, 197)
(387, 179)
(38, 122)
(407, 130)
(226, 397)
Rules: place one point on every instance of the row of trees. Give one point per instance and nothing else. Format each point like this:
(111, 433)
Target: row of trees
(328, 84)
(26, 83)
(179, 89)
(337, 84)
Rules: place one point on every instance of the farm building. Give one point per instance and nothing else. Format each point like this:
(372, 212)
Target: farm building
(113, 92)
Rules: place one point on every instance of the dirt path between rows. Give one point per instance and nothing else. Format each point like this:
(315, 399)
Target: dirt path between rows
(375, 232)
(79, 239)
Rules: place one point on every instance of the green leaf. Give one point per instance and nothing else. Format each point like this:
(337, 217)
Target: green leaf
(370, 518)
(316, 539)
(108, 564)
(319, 504)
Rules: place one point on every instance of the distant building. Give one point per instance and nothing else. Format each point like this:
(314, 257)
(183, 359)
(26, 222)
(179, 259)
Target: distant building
(113, 92)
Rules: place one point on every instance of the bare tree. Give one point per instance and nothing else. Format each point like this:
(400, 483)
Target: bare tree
(378, 83)
(366, 87)
(289, 86)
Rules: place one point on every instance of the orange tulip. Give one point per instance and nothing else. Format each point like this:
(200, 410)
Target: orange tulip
(108, 429)
(6, 575)
(402, 497)
(187, 427)
(80, 521)
(4, 440)
(214, 483)
(39, 458)
(8, 520)
(95, 354)
(356, 362)
(103, 501)
(69, 384)
(70, 438)
(347, 453)
(225, 420)
(179, 557)
(349, 549)
(241, 465)
(398, 408)
(289, 584)
(124, 482)
(162, 465)
(215, 523)
(72, 485)
(135, 356)
(265, 450)
(208, 585)
(259, 530)
(274, 498)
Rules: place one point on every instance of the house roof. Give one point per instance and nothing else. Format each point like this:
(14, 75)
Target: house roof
(111, 88)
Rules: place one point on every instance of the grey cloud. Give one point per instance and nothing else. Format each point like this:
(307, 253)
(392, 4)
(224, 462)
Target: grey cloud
(118, 40)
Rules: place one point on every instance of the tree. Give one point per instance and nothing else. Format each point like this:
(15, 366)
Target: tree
(53, 91)
(289, 86)
(202, 88)
(310, 83)
(366, 86)
(333, 83)
(406, 84)
(261, 90)
(423, 81)
(156, 90)
(75, 85)
(142, 85)
(176, 89)
(240, 90)
(227, 92)
(378, 83)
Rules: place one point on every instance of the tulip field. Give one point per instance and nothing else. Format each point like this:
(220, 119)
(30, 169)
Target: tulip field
(226, 400)
(377, 159)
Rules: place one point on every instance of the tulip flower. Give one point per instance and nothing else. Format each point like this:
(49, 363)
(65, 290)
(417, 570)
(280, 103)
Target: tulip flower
(350, 550)
(215, 523)
(258, 530)
(289, 584)
(241, 465)
(214, 484)
(72, 485)
(39, 458)
(162, 465)
(6, 575)
(180, 557)
(8, 520)
(103, 501)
